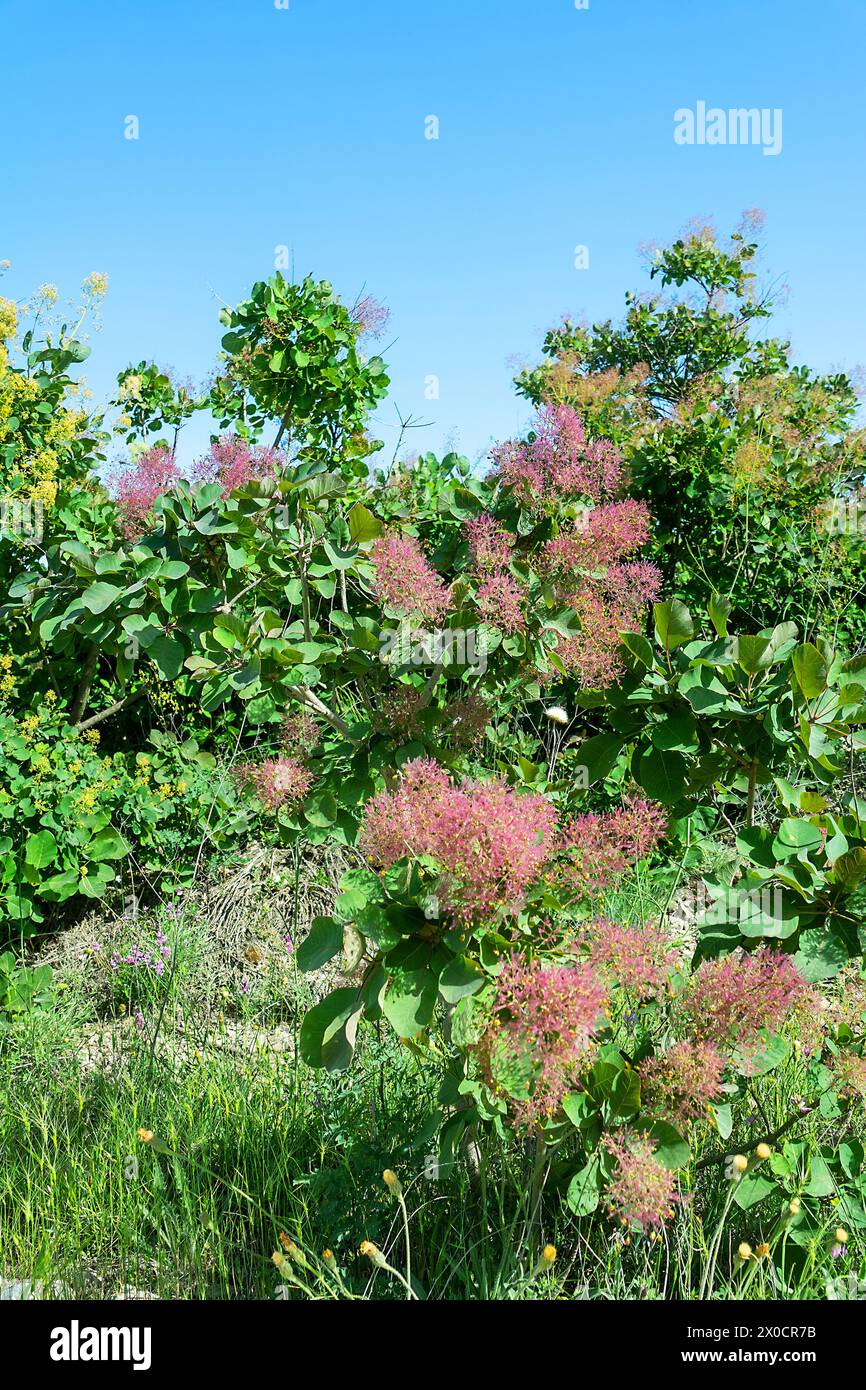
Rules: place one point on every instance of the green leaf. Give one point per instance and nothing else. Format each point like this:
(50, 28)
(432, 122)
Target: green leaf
(849, 869)
(810, 670)
(719, 611)
(409, 1000)
(751, 1189)
(584, 1189)
(461, 977)
(754, 653)
(168, 657)
(821, 955)
(598, 755)
(673, 623)
(40, 849)
(676, 733)
(672, 1150)
(108, 844)
(328, 1031)
(821, 1181)
(363, 525)
(663, 775)
(322, 943)
(100, 596)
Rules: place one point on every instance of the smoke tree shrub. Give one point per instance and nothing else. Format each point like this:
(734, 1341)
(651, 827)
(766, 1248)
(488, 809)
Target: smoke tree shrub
(743, 458)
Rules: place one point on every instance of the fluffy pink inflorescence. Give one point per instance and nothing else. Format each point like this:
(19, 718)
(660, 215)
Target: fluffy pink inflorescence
(405, 580)
(300, 734)
(601, 847)
(152, 474)
(681, 1084)
(490, 841)
(609, 533)
(638, 958)
(607, 606)
(232, 462)
(545, 1020)
(490, 546)
(642, 1192)
(732, 999)
(559, 462)
(499, 601)
(278, 781)
(499, 597)
(371, 317)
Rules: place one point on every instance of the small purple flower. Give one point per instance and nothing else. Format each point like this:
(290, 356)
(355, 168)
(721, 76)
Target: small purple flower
(289, 944)
(245, 985)
(139, 1021)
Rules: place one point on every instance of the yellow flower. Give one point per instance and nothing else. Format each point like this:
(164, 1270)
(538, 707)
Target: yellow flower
(763, 1151)
(145, 1135)
(373, 1253)
(8, 318)
(392, 1182)
(740, 1163)
(745, 1250)
(96, 284)
(841, 1236)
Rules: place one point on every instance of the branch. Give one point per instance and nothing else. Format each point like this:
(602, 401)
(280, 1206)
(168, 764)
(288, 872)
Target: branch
(79, 703)
(306, 696)
(107, 713)
(750, 1148)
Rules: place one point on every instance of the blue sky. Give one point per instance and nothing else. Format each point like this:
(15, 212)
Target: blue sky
(305, 127)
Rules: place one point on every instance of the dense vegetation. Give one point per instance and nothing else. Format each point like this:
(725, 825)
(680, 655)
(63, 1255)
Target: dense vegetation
(458, 870)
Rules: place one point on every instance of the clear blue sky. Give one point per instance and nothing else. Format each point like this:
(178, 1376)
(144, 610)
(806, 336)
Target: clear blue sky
(262, 126)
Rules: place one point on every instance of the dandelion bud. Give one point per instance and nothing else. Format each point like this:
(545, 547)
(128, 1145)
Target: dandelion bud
(745, 1251)
(740, 1163)
(329, 1259)
(763, 1151)
(762, 1251)
(794, 1206)
(840, 1236)
(278, 1258)
(545, 1260)
(392, 1182)
(145, 1135)
(373, 1253)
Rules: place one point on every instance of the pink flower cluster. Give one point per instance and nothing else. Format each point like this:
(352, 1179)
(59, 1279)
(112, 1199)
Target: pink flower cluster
(283, 781)
(606, 607)
(732, 999)
(231, 461)
(605, 535)
(600, 847)
(300, 733)
(682, 1083)
(544, 1021)
(490, 841)
(642, 1192)
(370, 317)
(499, 597)
(136, 488)
(558, 462)
(490, 545)
(405, 580)
(637, 958)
